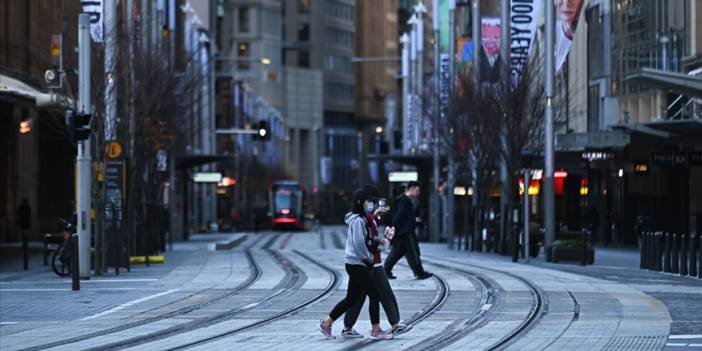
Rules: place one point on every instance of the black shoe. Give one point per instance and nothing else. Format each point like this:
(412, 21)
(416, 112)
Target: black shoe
(390, 276)
(424, 275)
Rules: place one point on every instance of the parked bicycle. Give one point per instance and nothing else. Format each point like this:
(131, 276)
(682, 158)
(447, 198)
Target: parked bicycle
(61, 257)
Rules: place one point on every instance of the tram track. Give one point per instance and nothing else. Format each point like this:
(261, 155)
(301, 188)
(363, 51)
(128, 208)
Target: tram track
(326, 292)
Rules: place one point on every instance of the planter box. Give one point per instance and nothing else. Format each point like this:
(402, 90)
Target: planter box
(570, 253)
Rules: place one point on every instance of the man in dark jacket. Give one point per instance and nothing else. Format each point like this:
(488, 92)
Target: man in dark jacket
(404, 242)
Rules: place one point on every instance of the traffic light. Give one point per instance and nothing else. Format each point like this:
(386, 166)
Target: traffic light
(263, 132)
(80, 126)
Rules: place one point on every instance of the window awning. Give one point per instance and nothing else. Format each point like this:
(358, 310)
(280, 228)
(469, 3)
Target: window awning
(680, 83)
(9, 85)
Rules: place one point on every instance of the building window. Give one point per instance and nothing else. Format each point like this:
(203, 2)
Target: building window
(303, 32)
(340, 91)
(595, 42)
(337, 64)
(340, 11)
(303, 59)
(340, 37)
(244, 22)
(244, 54)
(303, 6)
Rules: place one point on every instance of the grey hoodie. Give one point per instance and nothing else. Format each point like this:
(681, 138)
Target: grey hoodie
(356, 251)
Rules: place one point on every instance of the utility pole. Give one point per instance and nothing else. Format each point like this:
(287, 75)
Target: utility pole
(413, 83)
(83, 160)
(434, 199)
(420, 10)
(110, 51)
(473, 152)
(549, 197)
(450, 179)
(404, 41)
(506, 186)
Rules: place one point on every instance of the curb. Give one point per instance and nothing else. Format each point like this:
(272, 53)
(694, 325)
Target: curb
(222, 246)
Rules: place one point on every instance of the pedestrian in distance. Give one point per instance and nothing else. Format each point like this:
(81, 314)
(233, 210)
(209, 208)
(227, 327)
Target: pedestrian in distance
(380, 279)
(405, 242)
(359, 266)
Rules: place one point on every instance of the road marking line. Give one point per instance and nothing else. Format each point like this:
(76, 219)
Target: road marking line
(694, 345)
(675, 344)
(8, 323)
(686, 336)
(68, 289)
(117, 280)
(129, 304)
(138, 280)
(486, 307)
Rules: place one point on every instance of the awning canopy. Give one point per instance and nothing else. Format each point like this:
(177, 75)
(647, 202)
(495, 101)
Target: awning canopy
(592, 140)
(190, 161)
(12, 86)
(677, 82)
(679, 127)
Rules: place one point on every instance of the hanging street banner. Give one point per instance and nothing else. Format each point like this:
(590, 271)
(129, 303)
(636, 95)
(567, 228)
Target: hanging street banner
(524, 18)
(567, 15)
(93, 8)
(444, 85)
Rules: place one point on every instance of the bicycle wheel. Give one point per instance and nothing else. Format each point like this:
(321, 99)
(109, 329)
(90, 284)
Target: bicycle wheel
(61, 263)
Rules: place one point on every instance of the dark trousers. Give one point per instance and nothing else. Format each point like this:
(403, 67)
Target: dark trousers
(386, 296)
(407, 246)
(360, 285)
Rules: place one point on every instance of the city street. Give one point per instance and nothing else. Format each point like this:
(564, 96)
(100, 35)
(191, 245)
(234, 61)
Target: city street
(270, 291)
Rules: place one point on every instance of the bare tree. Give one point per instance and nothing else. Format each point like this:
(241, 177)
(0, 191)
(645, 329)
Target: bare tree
(159, 93)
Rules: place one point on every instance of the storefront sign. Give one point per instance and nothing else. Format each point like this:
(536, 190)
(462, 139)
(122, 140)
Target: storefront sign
(694, 158)
(400, 177)
(677, 159)
(597, 155)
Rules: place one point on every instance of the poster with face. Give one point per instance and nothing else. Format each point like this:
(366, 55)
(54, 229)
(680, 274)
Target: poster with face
(490, 50)
(491, 39)
(567, 16)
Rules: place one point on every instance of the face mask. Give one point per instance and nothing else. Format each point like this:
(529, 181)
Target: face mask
(369, 207)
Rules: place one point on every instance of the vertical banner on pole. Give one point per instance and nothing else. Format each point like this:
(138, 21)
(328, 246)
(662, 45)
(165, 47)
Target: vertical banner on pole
(93, 8)
(524, 18)
(444, 81)
(567, 16)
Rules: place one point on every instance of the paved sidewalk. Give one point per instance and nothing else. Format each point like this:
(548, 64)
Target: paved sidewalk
(54, 300)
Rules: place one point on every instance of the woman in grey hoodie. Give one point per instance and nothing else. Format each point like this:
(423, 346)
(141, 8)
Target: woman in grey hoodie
(359, 265)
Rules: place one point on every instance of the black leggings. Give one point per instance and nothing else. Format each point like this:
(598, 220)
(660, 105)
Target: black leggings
(387, 300)
(360, 285)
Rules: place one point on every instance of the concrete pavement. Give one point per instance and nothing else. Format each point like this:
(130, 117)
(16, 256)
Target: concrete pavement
(272, 288)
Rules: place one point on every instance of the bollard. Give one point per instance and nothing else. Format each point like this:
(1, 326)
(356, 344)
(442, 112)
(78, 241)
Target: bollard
(658, 243)
(583, 250)
(666, 253)
(649, 251)
(693, 255)
(642, 251)
(25, 249)
(674, 257)
(683, 254)
(75, 273)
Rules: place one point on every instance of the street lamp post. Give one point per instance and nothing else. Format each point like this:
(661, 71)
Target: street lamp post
(451, 169)
(434, 200)
(549, 197)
